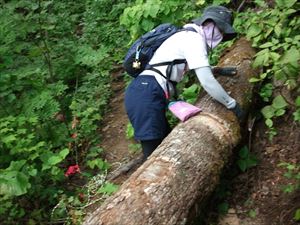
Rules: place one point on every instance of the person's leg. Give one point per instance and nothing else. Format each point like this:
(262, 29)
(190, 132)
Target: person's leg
(145, 104)
(149, 146)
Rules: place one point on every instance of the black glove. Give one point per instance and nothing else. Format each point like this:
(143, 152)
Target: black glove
(240, 114)
(224, 71)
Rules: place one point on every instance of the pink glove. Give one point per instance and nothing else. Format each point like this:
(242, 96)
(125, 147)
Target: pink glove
(183, 110)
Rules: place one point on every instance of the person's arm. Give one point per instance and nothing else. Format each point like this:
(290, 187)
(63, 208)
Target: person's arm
(213, 87)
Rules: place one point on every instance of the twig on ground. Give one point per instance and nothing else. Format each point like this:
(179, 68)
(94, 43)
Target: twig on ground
(125, 168)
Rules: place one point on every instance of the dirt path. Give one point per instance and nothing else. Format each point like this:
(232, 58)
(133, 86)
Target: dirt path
(258, 196)
(113, 129)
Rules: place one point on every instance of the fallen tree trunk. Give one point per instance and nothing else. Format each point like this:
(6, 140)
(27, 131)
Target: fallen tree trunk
(186, 167)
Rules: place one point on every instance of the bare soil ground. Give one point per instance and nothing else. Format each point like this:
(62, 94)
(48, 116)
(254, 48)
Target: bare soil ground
(257, 196)
(117, 147)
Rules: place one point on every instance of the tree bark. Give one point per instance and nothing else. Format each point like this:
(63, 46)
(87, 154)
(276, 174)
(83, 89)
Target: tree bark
(186, 167)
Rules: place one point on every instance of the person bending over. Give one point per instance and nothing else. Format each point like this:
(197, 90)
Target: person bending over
(146, 97)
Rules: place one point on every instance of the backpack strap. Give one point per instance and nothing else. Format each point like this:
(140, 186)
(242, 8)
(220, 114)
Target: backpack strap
(189, 29)
(167, 83)
(169, 69)
(168, 73)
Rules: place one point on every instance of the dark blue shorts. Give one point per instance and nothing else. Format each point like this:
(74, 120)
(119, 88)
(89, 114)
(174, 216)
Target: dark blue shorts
(146, 104)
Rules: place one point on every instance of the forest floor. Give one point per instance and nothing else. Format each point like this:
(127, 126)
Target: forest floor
(256, 196)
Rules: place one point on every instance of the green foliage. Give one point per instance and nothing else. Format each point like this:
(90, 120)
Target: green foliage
(246, 159)
(93, 161)
(129, 131)
(266, 92)
(252, 213)
(135, 148)
(55, 58)
(293, 174)
(145, 15)
(276, 109)
(215, 54)
(297, 112)
(297, 215)
(24, 158)
(274, 32)
(190, 94)
(108, 188)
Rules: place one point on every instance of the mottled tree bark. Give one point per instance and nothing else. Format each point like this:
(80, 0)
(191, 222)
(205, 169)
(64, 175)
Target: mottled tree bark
(186, 167)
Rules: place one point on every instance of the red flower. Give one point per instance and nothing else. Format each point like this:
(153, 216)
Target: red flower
(72, 170)
(74, 135)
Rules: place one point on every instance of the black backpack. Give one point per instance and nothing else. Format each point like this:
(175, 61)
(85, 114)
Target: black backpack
(142, 50)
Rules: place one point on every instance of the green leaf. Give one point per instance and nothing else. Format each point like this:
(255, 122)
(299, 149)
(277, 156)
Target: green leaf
(279, 112)
(53, 160)
(254, 79)
(242, 165)
(252, 213)
(55, 171)
(32, 172)
(297, 115)
(108, 188)
(129, 131)
(260, 3)
(278, 29)
(291, 56)
(269, 123)
(251, 161)
(190, 94)
(280, 75)
(147, 24)
(13, 183)
(200, 2)
(291, 166)
(275, 56)
(243, 153)
(268, 112)
(97, 163)
(297, 215)
(254, 30)
(279, 102)
(266, 45)
(285, 3)
(9, 139)
(288, 175)
(63, 153)
(16, 165)
(289, 188)
(261, 60)
(153, 10)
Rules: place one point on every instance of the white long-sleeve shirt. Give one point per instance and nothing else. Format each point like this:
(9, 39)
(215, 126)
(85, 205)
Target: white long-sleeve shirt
(190, 46)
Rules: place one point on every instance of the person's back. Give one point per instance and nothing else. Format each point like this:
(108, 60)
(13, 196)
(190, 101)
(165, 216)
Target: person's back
(188, 45)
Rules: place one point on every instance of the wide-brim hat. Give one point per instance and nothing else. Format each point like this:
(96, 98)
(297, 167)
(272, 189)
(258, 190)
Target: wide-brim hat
(222, 18)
